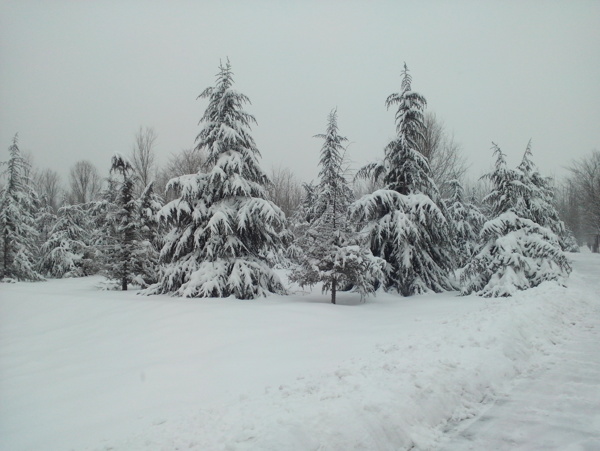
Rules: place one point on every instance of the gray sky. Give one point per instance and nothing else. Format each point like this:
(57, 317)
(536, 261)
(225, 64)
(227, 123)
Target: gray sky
(77, 79)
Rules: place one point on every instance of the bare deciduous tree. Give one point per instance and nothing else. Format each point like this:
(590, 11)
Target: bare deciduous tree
(85, 182)
(442, 152)
(188, 161)
(48, 185)
(362, 186)
(143, 157)
(586, 180)
(570, 208)
(285, 190)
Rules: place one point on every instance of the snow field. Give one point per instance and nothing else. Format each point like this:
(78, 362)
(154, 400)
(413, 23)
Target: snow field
(97, 370)
(405, 394)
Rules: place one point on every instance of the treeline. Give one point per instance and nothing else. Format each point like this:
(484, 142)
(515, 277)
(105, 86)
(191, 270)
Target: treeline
(578, 200)
(212, 223)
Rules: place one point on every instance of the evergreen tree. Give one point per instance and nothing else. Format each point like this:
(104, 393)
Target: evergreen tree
(466, 220)
(45, 219)
(406, 220)
(148, 251)
(101, 224)
(18, 234)
(122, 264)
(125, 229)
(539, 204)
(332, 254)
(299, 223)
(307, 209)
(515, 253)
(65, 253)
(149, 204)
(305, 214)
(222, 225)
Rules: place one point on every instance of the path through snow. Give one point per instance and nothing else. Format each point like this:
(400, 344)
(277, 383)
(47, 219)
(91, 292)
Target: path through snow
(556, 407)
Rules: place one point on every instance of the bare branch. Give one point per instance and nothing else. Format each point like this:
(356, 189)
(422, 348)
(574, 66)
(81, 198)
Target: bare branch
(143, 157)
(85, 182)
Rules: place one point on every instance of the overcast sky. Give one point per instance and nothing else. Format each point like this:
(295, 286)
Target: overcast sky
(77, 78)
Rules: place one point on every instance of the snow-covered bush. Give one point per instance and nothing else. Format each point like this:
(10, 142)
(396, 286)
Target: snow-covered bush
(569, 242)
(517, 254)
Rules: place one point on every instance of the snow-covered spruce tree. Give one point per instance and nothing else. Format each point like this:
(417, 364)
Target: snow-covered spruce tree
(149, 204)
(44, 222)
(332, 253)
(467, 221)
(406, 220)
(539, 204)
(118, 254)
(122, 264)
(101, 225)
(149, 234)
(222, 225)
(18, 234)
(305, 213)
(300, 222)
(515, 252)
(65, 253)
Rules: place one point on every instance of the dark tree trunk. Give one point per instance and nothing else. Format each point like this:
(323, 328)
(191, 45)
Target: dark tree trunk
(6, 253)
(333, 290)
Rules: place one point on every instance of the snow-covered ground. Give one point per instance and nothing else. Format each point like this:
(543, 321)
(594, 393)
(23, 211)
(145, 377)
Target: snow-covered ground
(85, 369)
(554, 408)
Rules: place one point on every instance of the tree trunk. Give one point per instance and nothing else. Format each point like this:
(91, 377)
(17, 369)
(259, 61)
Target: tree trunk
(124, 284)
(333, 290)
(6, 253)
